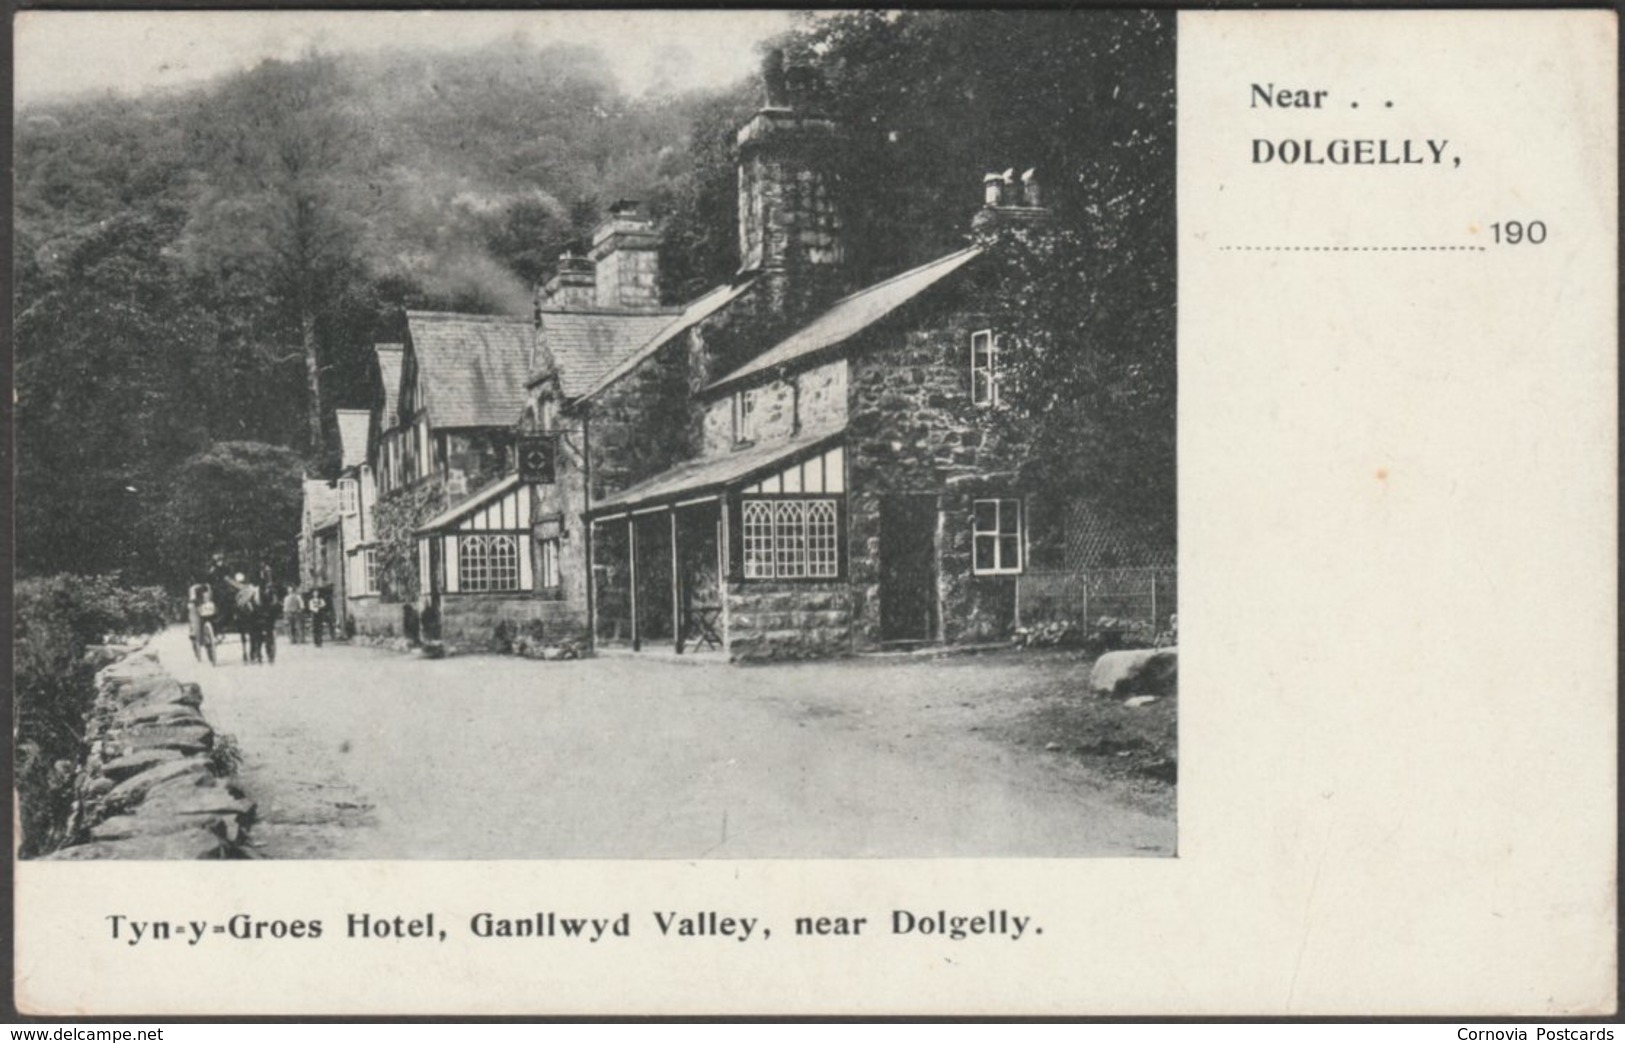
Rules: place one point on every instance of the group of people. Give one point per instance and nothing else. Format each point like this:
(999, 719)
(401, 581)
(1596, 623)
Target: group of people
(307, 614)
(232, 602)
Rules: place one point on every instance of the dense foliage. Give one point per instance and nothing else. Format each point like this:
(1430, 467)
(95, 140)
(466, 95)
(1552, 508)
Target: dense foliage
(238, 499)
(56, 618)
(214, 265)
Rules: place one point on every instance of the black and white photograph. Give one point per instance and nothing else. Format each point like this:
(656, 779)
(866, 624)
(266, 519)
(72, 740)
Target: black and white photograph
(545, 435)
(650, 513)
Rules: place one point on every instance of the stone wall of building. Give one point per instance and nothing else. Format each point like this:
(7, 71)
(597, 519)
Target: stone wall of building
(652, 397)
(810, 402)
(788, 620)
(374, 617)
(470, 622)
(913, 430)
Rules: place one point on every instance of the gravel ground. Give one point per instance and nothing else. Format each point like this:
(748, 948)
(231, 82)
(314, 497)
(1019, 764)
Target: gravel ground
(362, 753)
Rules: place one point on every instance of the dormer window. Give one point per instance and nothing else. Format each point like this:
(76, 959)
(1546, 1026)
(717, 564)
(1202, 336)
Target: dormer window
(984, 367)
(744, 413)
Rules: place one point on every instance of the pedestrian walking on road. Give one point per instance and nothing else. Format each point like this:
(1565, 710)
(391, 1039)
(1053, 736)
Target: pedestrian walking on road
(318, 615)
(293, 606)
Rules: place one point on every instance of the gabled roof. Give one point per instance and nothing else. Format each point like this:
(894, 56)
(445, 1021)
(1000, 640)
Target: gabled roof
(582, 346)
(479, 498)
(353, 424)
(321, 503)
(471, 367)
(389, 372)
(697, 309)
(853, 314)
(711, 473)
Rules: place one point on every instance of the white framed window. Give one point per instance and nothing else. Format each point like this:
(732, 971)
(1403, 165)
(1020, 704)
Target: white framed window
(369, 570)
(347, 496)
(744, 411)
(549, 576)
(791, 539)
(984, 367)
(487, 563)
(996, 537)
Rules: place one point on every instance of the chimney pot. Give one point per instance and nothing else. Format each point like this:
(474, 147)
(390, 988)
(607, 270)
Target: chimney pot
(574, 284)
(992, 190)
(1029, 188)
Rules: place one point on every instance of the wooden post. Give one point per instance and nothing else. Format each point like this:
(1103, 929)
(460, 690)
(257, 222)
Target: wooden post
(724, 548)
(676, 590)
(632, 577)
(587, 534)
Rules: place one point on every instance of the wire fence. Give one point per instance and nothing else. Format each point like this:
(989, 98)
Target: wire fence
(1144, 596)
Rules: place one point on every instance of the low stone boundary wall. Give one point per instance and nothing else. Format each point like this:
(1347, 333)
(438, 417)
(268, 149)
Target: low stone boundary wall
(156, 783)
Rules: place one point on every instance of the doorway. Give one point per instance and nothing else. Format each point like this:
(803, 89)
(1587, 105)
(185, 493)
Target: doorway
(908, 568)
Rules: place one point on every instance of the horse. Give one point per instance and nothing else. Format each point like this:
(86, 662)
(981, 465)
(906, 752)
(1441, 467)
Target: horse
(249, 609)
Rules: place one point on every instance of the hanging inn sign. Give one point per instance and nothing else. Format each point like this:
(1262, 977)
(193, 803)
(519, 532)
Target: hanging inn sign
(536, 459)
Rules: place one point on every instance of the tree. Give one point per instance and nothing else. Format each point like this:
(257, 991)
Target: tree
(283, 204)
(239, 499)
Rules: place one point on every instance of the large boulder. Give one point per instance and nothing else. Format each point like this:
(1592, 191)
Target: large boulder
(1144, 671)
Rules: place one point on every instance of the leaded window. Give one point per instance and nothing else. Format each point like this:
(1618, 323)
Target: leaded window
(996, 537)
(369, 568)
(791, 539)
(758, 534)
(486, 563)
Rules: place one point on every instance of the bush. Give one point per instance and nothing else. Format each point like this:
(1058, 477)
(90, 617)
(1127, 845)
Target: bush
(57, 617)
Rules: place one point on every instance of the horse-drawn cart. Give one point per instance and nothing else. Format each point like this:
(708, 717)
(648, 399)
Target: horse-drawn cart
(231, 604)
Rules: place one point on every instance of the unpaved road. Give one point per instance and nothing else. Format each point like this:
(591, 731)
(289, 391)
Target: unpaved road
(363, 753)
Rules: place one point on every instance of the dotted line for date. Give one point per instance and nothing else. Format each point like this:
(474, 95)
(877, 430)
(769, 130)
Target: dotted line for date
(1352, 249)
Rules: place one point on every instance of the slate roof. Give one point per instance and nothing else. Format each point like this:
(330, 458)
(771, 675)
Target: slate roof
(321, 503)
(711, 473)
(697, 309)
(853, 314)
(470, 503)
(472, 367)
(583, 346)
(389, 371)
(353, 425)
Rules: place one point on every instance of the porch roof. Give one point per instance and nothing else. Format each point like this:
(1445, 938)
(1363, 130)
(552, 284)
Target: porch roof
(708, 475)
(469, 504)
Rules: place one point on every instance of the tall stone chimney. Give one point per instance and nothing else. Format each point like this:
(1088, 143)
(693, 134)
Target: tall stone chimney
(574, 284)
(1007, 202)
(790, 229)
(626, 258)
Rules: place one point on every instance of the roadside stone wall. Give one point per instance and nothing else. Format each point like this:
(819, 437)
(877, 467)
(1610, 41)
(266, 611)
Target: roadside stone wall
(156, 783)
(789, 620)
